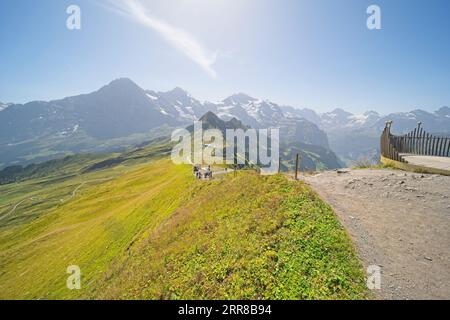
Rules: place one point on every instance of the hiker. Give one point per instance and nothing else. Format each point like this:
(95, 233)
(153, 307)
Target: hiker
(208, 174)
(197, 171)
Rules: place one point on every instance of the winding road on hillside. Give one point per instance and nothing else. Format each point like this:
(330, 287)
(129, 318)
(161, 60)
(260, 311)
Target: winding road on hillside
(399, 221)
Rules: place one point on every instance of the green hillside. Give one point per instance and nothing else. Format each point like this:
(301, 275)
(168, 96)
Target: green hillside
(145, 228)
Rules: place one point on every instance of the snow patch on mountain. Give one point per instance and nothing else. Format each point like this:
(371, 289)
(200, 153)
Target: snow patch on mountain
(341, 119)
(3, 106)
(358, 119)
(152, 97)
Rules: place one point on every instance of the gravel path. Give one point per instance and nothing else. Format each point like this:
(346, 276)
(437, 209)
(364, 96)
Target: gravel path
(399, 221)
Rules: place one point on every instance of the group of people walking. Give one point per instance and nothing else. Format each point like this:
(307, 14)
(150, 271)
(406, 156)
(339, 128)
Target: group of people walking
(198, 173)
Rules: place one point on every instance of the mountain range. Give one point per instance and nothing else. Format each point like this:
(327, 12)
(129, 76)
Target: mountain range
(339, 119)
(356, 136)
(122, 115)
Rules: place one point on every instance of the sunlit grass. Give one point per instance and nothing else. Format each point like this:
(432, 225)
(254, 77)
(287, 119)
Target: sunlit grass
(89, 230)
(152, 231)
(251, 237)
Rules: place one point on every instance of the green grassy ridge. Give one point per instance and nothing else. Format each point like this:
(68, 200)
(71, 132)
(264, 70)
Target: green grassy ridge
(153, 231)
(251, 237)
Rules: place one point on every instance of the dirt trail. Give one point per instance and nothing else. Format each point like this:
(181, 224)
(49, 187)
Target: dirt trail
(74, 192)
(15, 207)
(399, 221)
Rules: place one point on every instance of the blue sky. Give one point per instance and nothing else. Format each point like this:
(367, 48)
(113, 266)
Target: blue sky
(305, 53)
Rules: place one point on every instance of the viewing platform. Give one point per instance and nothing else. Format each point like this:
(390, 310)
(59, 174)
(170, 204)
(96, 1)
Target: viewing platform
(416, 151)
(441, 163)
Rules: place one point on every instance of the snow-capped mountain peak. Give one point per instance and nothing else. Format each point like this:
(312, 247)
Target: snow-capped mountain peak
(341, 119)
(251, 111)
(176, 103)
(372, 114)
(152, 95)
(366, 119)
(337, 118)
(238, 99)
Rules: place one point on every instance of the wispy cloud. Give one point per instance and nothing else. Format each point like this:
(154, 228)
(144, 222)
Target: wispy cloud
(177, 37)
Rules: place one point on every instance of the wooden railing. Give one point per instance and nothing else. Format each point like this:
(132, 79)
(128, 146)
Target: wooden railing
(417, 142)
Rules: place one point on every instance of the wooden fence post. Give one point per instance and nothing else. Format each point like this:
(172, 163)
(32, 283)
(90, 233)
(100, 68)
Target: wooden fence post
(279, 165)
(296, 166)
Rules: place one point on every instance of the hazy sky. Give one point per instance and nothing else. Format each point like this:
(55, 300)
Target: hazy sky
(304, 53)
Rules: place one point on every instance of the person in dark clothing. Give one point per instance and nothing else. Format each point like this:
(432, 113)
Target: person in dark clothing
(208, 174)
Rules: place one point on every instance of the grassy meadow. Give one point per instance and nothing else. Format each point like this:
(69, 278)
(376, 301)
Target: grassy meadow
(149, 230)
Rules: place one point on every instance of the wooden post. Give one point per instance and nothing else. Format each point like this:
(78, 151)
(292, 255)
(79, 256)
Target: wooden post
(235, 162)
(296, 166)
(279, 165)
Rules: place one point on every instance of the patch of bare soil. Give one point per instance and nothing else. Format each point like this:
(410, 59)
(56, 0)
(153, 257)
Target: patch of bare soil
(399, 221)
